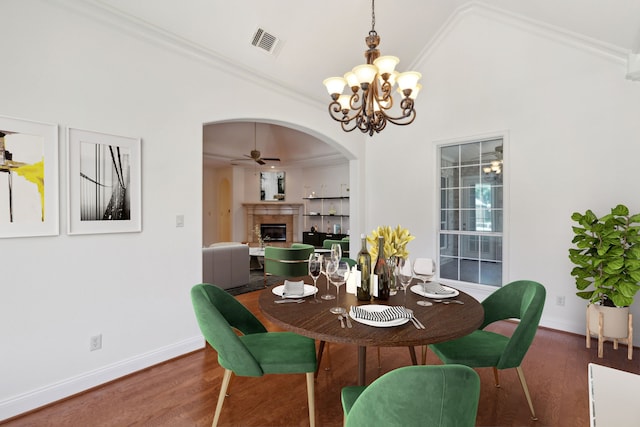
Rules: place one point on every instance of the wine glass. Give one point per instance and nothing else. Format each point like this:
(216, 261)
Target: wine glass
(315, 267)
(424, 269)
(329, 266)
(404, 272)
(336, 252)
(339, 278)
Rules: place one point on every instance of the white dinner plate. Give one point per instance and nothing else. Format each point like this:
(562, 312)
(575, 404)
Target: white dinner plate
(374, 308)
(308, 291)
(417, 289)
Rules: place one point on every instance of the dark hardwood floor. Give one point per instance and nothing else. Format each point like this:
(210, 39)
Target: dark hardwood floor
(183, 391)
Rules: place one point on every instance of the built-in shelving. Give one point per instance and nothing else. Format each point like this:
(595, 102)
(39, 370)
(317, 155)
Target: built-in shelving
(329, 216)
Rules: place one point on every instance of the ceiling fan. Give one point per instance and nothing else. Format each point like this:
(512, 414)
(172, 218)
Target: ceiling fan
(255, 153)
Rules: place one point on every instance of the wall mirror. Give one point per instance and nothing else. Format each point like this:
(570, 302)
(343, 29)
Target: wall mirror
(272, 186)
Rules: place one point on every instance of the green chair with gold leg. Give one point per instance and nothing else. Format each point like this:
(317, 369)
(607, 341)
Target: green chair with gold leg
(415, 396)
(255, 351)
(287, 262)
(523, 300)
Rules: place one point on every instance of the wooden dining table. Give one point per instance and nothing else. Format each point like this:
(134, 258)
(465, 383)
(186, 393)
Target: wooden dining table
(443, 322)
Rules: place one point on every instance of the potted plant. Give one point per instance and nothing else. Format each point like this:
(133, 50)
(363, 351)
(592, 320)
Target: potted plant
(607, 266)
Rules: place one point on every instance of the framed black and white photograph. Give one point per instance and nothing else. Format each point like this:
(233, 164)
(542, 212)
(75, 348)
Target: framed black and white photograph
(272, 186)
(29, 204)
(104, 183)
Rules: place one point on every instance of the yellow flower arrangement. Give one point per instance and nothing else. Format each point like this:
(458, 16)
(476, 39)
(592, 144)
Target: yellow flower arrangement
(395, 241)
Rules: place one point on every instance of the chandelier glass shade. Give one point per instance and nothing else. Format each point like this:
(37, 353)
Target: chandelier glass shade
(368, 106)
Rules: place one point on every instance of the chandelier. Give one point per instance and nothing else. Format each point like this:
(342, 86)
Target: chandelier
(368, 106)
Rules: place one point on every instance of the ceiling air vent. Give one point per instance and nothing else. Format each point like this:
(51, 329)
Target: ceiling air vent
(265, 41)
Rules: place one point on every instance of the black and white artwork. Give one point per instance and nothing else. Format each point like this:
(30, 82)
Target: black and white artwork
(104, 183)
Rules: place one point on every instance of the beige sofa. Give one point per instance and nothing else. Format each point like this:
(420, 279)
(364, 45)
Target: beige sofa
(226, 264)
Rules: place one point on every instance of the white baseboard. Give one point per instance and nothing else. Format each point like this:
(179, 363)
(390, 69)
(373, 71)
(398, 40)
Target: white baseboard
(48, 394)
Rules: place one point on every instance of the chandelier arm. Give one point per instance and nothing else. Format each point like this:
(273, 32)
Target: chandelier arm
(345, 120)
(346, 128)
(409, 116)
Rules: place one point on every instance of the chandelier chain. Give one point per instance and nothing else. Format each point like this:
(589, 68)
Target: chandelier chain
(373, 15)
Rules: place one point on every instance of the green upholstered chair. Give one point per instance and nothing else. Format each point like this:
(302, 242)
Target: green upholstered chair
(522, 299)
(287, 262)
(349, 261)
(344, 245)
(424, 396)
(255, 352)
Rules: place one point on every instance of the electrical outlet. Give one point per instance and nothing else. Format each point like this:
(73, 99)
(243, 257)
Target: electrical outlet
(95, 342)
(179, 220)
(560, 300)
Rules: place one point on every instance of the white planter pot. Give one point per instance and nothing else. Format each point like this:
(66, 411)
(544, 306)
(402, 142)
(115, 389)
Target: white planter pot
(616, 320)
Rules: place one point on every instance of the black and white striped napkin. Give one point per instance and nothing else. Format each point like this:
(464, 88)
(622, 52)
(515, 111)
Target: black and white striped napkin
(388, 314)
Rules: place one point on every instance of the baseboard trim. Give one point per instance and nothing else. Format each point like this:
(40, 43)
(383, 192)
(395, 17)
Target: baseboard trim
(63, 389)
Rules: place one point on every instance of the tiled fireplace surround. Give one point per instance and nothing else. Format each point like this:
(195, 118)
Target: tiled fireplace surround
(273, 213)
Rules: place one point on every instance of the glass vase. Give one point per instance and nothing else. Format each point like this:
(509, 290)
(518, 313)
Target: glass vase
(393, 286)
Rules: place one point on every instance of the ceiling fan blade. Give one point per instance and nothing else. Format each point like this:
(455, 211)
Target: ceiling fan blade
(271, 159)
(260, 162)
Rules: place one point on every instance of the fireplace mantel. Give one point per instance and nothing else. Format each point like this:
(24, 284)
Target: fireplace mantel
(274, 212)
(270, 208)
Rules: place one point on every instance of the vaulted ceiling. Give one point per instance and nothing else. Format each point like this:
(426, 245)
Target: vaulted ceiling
(325, 38)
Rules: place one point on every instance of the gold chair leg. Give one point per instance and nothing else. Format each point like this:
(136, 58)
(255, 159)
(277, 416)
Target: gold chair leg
(526, 392)
(495, 375)
(311, 399)
(229, 386)
(223, 391)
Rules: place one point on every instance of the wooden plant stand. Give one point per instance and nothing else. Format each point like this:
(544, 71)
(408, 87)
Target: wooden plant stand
(601, 338)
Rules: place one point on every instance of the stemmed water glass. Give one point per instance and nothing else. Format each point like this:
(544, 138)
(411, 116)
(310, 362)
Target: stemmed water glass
(339, 278)
(336, 252)
(404, 272)
(329, 266)
(424, 269)
(315, 267)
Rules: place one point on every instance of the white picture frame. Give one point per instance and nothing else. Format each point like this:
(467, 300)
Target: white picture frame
(103, 183)
(29, 199)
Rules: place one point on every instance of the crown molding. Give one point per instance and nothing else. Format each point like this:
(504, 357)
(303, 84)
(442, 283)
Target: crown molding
(115, 18)
(478, 8)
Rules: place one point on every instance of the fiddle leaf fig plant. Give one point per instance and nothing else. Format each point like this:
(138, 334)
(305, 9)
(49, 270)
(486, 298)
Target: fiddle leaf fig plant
(606, 256)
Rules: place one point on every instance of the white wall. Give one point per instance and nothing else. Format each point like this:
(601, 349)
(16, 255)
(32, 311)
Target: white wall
(572, 122)
(60, 66)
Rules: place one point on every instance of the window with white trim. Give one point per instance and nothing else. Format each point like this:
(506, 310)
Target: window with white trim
(471, 211)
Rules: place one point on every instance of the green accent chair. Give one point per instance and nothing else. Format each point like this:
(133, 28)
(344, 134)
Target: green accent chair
(420, 396)
(522, 299)
(287, 262)
(255, 352)
(349, 261)
(344, 245)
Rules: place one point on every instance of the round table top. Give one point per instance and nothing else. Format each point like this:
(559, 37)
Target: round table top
(443, 322)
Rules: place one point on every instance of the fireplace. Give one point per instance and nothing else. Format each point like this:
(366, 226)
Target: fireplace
(278, 213)
(274, 232)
